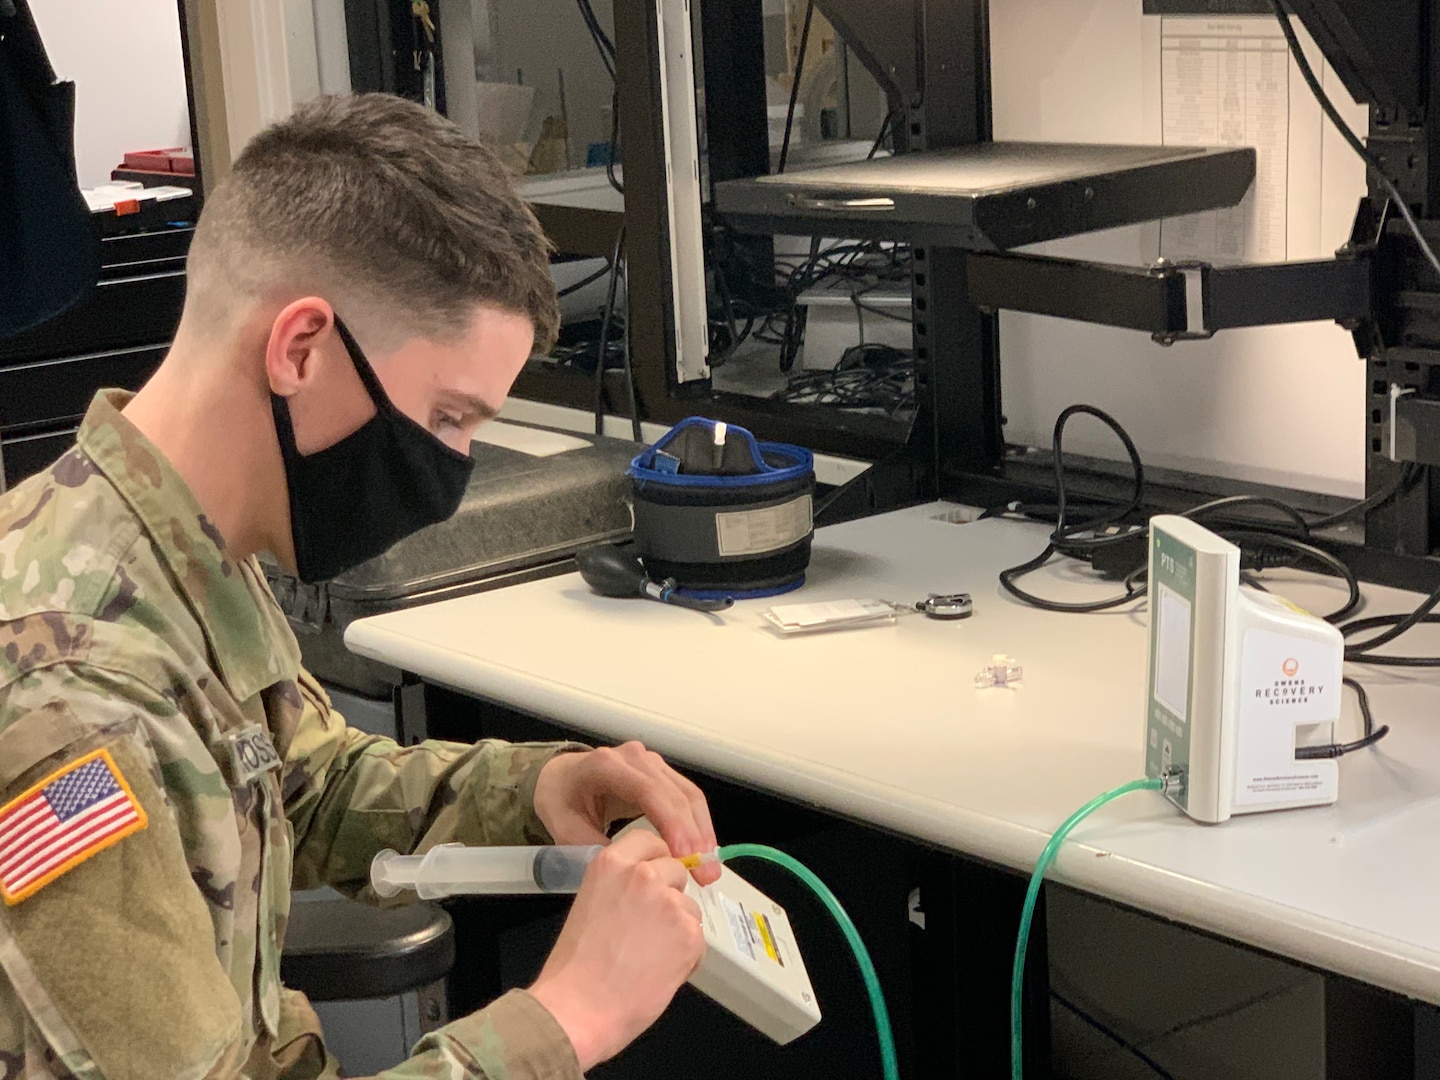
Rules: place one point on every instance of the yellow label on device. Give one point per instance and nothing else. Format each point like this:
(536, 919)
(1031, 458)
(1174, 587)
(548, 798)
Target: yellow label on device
(767, 938)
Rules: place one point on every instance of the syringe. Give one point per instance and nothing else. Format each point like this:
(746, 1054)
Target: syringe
(752, 963)
(455, 870)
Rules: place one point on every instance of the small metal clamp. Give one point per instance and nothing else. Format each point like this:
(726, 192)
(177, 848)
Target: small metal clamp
(947, 606)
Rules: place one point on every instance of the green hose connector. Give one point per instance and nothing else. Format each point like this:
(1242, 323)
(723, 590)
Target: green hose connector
(1027, 913)
(862, 955)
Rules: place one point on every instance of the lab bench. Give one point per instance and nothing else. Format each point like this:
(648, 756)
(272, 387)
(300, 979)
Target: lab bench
(923, 801)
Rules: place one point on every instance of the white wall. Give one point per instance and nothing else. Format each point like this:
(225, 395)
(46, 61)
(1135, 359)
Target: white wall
(1282, 404)
(125, 61)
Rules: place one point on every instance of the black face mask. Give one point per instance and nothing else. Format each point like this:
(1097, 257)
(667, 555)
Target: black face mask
(352, 501)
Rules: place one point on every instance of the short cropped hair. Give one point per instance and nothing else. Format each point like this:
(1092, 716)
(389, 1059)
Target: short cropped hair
(382, 207)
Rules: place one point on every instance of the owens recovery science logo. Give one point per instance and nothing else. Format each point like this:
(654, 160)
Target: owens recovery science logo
(1290, 689)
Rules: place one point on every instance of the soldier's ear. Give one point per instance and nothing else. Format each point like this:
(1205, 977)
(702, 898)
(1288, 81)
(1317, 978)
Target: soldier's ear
(301, 329)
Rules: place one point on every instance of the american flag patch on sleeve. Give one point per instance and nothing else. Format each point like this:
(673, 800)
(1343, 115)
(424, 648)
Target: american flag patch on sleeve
(77, 811)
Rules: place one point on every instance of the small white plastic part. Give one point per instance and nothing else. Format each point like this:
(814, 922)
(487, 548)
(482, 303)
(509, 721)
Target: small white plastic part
(1001, 671)
(717, 449)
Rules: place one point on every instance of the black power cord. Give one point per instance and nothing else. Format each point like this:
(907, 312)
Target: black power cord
(602, 349)
(1257, 549)
(1393, 625)
(589, 279)
(614, 153)
(1328, 107)
(795, 86)
(1114, 543)
(1409, 474)
(1335, 750)
(606, 48)
(602, 40)
(880, 138)
(1064, 538)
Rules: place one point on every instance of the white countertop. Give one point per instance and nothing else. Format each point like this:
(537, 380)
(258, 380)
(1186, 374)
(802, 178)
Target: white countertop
(884, 726)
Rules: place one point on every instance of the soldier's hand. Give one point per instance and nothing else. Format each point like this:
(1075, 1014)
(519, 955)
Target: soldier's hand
(631, 939)
(578, 797)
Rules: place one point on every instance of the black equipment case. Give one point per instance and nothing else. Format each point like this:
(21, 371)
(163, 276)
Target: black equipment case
(523, 518)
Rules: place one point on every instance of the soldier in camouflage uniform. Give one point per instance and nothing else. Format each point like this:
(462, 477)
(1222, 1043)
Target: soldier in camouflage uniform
(168, 771)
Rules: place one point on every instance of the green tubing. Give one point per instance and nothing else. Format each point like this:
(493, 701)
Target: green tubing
(1027, 914)
(862, 955)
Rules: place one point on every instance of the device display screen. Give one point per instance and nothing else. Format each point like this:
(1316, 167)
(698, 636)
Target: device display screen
(1172, 651)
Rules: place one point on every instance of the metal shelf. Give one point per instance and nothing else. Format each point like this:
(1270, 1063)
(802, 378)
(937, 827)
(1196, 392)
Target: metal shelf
(991, 195)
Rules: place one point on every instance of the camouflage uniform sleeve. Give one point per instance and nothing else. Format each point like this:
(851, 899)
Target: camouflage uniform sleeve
(514, 1039)
(348, 795)
(109, 965)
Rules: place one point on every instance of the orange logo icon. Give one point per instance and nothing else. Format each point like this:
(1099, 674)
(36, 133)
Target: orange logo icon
(1291, 668)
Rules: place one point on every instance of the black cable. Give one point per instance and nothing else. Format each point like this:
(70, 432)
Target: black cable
(1008, 578)
(602, 350)
(1118, 1039)
(614, 155)
(870, 377)
(718, 357)
(628, 371)
(1408, 475)
(1063, 535)
(1350, 137)
(588, 280)
(880, 138)
(1233, 502)
(606, 48)
(1335, 750)
(675, 598)
(790, 337)
(1393, 626)
(602, 40)
(882, 313)
(795, 86)
(1064, 531)
(1066, 539)
(842, 261)
(1260, 541)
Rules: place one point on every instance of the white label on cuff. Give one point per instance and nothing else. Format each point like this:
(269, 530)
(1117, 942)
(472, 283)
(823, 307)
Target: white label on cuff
(754, 532)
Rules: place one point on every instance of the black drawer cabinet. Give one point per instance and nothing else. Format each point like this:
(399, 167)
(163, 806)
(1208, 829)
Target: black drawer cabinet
(118, 313)
(53, 391)
(26, 455)
(114, 337)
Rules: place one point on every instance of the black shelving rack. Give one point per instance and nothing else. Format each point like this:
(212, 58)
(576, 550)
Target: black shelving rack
(966, 202)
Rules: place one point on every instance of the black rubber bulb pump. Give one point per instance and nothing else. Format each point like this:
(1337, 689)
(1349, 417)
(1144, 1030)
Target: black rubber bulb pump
(611, 572)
